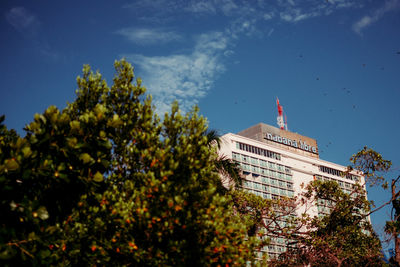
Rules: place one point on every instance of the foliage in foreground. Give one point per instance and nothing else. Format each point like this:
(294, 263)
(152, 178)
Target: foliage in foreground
(343, 236)
(105, 182)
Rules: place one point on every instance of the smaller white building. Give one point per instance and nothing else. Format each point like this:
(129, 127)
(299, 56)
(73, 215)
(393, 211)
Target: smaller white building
(276, 162)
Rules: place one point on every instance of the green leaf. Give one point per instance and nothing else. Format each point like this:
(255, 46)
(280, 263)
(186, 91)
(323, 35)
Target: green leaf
(72, 141)
(42, 213)
(98, 177)
(86, 158)
(75, 126)
(27, 151)
(11, 164)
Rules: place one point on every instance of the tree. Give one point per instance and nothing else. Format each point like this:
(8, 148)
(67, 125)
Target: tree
(343, 237)
(106, 182)
(392, 226)
(229, 171)
(375, 167)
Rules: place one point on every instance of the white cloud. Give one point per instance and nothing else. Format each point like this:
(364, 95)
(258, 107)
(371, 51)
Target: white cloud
(242, 26)
(345, 5)
(187, 77)
(367, 20)
(362, 23)
(268, 16)
(286, 17)
(228, 7)
(240, 10)
(29, 26)
(229, 53)
(201, 7)
(23, 20)
(146, 36)
(300, 17)
(183, 77)
(291, 2)
(297, 14)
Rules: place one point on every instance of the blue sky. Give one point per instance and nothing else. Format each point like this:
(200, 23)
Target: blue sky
(334, 64)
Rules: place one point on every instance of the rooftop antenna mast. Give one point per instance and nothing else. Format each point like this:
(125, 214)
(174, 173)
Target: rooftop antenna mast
(282, 123)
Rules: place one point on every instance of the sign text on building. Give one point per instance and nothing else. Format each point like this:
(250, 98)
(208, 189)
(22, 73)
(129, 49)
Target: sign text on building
(293, 143)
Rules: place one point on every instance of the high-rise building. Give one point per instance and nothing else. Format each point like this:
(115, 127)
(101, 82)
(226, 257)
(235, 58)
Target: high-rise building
(276, 162)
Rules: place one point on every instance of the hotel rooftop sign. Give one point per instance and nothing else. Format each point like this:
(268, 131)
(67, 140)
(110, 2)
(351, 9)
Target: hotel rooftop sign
(283, 139)
(289, 142)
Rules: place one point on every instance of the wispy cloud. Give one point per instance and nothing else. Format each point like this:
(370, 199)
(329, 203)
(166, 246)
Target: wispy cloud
(183, 77)
(146, 36)
(296, 14)
(201, 7)
(269, 15)
(187, 77)
(23, 21)
(367, 20)
(287, 10)
(29, 26)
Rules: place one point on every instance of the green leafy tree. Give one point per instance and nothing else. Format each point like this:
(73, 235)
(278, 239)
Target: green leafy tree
(105, 182)
(343, 237)
(229, 171)
(392, 226)
(375, 167)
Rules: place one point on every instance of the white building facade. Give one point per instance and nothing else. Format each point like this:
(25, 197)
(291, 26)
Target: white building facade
(276, 162)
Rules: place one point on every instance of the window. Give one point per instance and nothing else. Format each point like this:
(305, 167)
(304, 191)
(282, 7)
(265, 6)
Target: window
(266, 196)
(257, 186)
(259, 151)
(274, 190)
(245, 167)
(263, 163)
(263, 171)
(265, 180)
(255, 169)
(338, 173)
(280, 168)
(282, 192)
(271, 165)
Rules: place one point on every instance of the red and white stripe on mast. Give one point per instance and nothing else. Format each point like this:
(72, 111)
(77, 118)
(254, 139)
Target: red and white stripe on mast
(282, 123)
